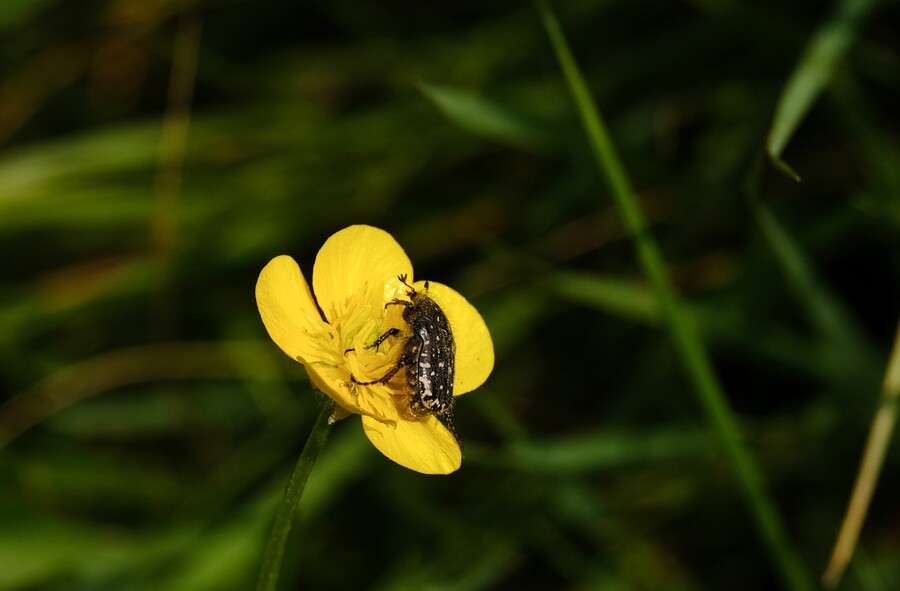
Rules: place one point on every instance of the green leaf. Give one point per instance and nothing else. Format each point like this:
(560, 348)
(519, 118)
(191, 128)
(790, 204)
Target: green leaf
(483, 117)
(824, 51)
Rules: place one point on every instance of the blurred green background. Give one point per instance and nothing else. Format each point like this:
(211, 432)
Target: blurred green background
(148, 424)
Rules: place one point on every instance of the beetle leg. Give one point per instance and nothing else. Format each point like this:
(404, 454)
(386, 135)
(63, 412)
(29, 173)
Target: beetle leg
(403, 303)
(401, 363)
(446, 419)
(388, 334)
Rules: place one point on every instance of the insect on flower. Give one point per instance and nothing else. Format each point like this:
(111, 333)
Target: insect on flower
(428, 353)
(363, 295)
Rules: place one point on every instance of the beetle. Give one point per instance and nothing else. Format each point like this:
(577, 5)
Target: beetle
(428, 353)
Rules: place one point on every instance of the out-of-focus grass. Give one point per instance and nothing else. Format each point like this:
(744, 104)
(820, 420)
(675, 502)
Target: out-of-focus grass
(813, 73)
(587, 462)
(681, 326)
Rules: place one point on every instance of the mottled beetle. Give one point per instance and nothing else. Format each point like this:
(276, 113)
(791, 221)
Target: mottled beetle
(428, 353)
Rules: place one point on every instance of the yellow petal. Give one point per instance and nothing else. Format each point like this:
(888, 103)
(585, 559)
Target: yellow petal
(375, 400)
(425, 446)
(289, 311)
(474, 347)
(350, 260)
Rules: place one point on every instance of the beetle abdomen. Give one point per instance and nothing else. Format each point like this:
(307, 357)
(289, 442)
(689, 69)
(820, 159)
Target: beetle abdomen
(434, 368)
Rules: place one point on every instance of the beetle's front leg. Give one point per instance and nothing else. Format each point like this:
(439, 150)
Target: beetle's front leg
(388, 334)
(403, 303)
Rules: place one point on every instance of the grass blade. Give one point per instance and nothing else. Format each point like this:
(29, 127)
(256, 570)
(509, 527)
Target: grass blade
(842, 340)
(880, 434)
(684, 334)
(824, 310)
(483, 117)
(812, 74)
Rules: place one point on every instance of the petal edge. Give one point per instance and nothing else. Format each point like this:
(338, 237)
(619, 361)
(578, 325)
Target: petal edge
(351, 260)
(288, 309)
(424, 446)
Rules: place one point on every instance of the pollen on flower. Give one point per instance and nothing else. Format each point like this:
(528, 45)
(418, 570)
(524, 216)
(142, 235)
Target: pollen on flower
(364, 319)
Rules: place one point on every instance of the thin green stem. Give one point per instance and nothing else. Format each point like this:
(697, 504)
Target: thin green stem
(682, 330)
(284, 519)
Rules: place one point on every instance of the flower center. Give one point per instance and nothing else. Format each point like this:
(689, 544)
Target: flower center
(365, 321)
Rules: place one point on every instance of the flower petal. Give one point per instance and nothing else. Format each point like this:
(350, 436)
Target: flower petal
(374, 400)
(474, 347)
(352, 259)
(425, 446)
(289, 311)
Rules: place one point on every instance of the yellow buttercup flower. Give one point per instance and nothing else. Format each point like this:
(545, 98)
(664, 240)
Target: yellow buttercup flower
(355, 274)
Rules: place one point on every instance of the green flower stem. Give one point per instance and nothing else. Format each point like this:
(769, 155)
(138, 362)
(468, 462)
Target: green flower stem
(683, 332)
(284, 519)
